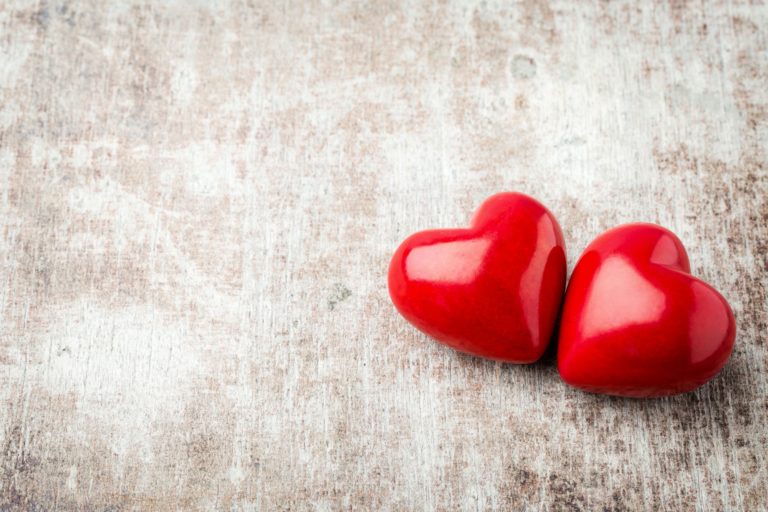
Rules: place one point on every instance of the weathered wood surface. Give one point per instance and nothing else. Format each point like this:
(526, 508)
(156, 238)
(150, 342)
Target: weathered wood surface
(198, 201)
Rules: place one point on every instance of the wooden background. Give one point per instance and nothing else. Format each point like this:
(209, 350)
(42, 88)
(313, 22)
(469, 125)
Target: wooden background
(198, 202)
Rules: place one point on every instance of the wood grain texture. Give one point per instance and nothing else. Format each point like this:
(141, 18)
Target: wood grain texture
(198, 202)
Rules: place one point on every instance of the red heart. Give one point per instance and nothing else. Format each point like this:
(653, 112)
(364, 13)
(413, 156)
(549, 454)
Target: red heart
(636, 323)
(492, 290)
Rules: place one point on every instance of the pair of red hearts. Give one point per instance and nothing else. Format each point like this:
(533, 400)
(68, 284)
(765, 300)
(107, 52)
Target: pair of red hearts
(634, 321)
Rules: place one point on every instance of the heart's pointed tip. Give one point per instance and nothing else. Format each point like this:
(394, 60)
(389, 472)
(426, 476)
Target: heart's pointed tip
(569, 370)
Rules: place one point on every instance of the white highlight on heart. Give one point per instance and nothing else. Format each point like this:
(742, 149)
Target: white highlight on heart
(457, 262)
(617, 307)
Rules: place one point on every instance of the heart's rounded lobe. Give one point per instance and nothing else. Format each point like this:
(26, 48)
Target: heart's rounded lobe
(493, 290)
(636, 323)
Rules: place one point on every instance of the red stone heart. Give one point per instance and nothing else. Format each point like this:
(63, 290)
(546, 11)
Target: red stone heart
(492, 290)
(636, 323)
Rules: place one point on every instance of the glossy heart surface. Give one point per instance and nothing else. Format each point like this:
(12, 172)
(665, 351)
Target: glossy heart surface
(492, 290)
(636, 323)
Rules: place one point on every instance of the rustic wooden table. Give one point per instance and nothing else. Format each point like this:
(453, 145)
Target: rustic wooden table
(198, 202)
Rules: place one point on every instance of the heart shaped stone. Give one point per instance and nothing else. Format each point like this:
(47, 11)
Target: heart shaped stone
(492, 290)
(636, 323)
